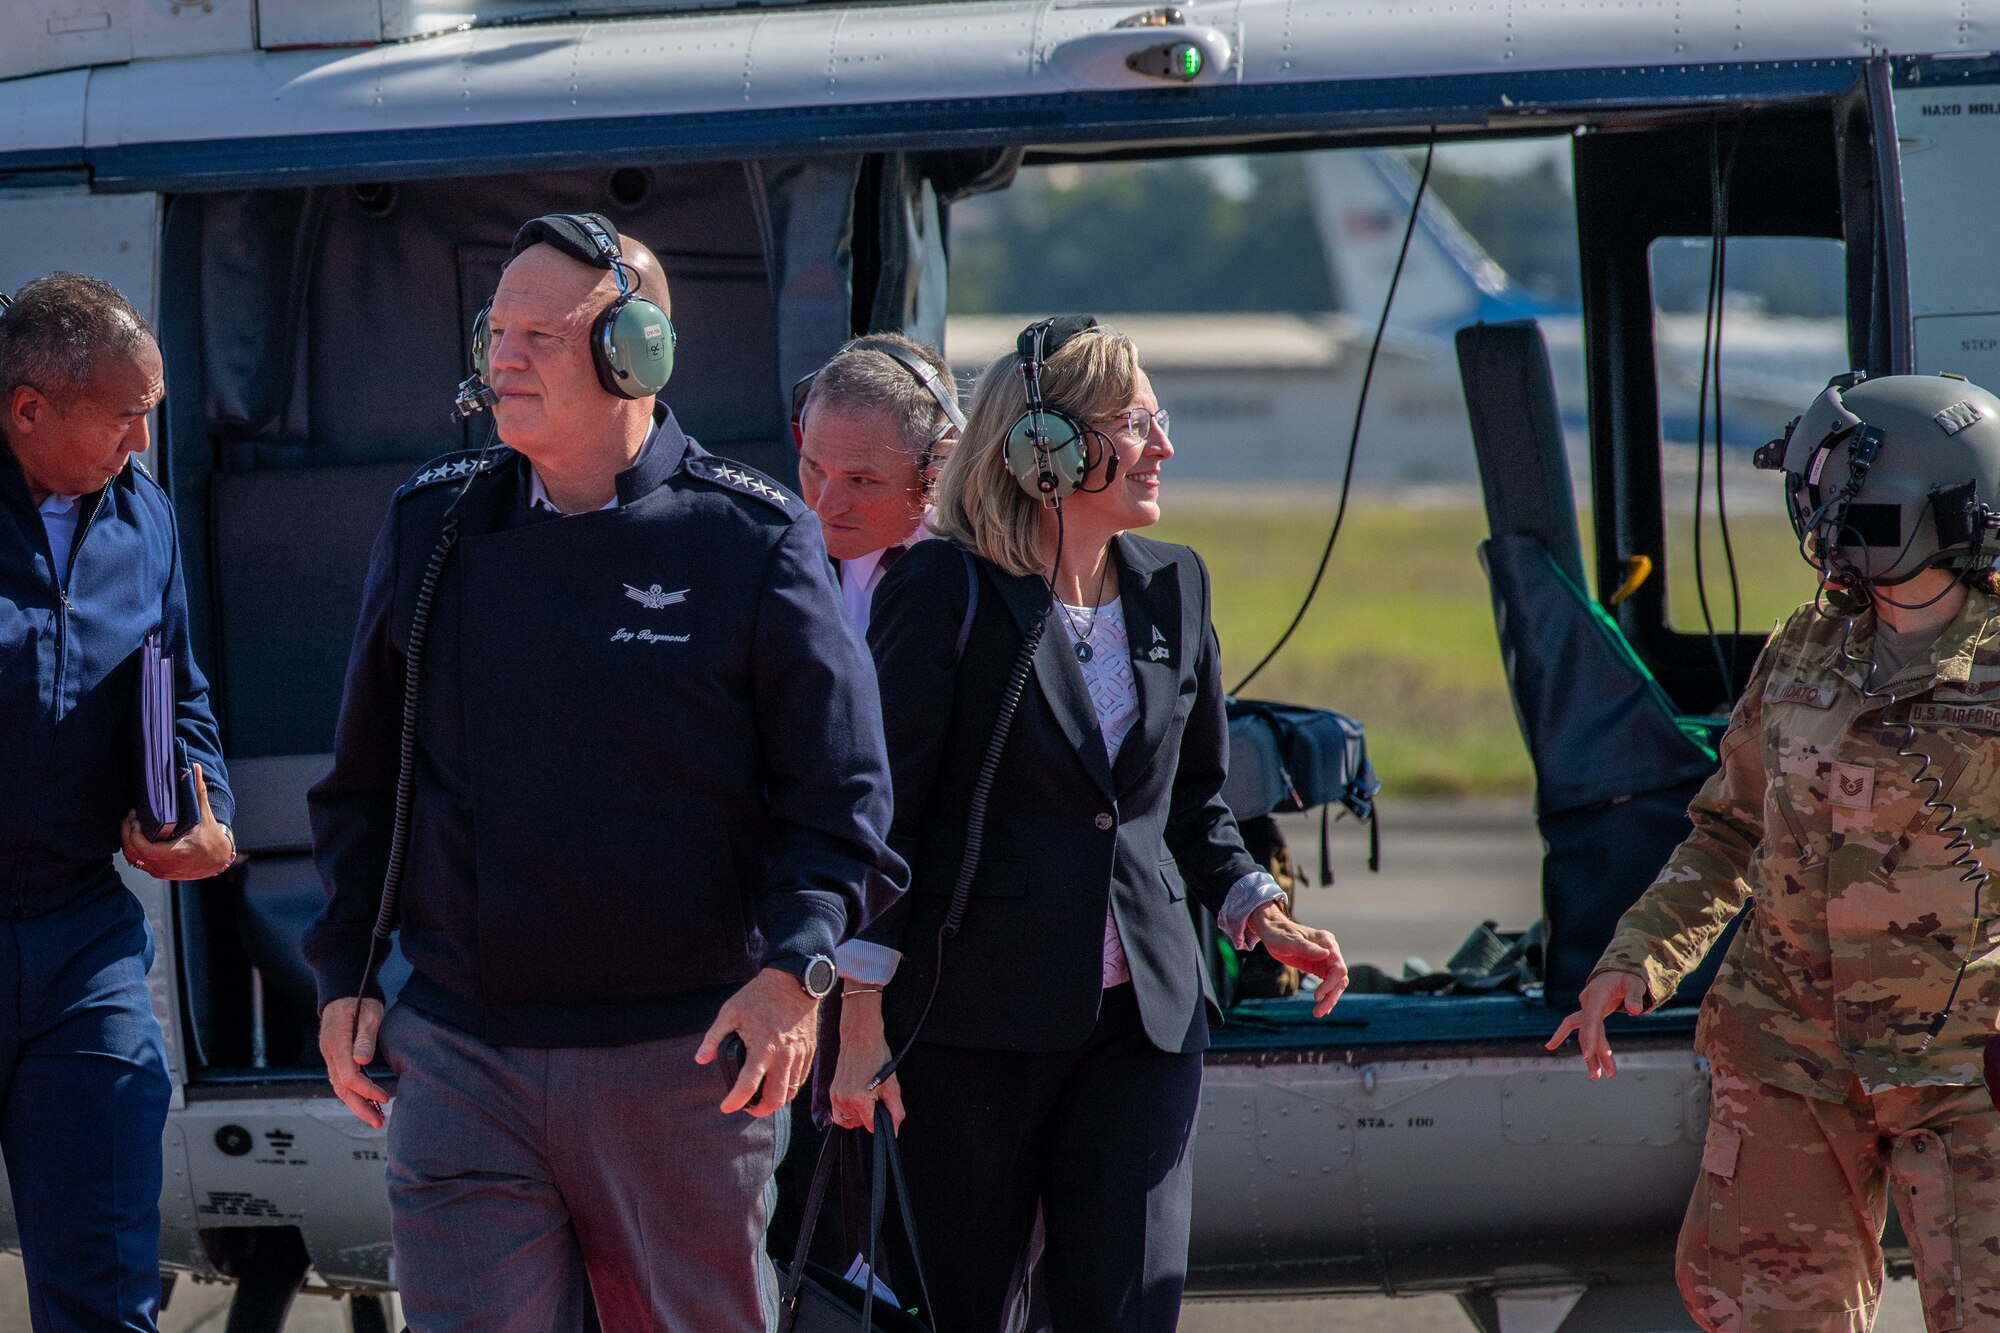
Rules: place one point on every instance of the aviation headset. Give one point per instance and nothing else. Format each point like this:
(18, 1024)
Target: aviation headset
(631, 343)
(920, 369)
(1046, 449)
(1888, 477)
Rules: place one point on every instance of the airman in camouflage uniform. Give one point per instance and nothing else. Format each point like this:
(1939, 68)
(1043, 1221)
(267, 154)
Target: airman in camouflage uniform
(1828, 1086)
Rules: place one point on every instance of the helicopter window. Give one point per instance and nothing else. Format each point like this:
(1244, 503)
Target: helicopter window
(1784, 186)
(1778, 332)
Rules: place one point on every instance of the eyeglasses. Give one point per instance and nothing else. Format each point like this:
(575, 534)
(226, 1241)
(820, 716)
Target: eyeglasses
(1136, 426)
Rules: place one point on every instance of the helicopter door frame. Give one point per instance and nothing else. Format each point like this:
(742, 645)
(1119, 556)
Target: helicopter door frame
(1629, 193)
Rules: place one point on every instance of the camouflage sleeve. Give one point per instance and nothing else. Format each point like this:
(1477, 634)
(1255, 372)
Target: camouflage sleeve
(1665, 935)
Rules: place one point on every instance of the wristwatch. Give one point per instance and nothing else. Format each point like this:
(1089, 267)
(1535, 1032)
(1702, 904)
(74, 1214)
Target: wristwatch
(815, 972)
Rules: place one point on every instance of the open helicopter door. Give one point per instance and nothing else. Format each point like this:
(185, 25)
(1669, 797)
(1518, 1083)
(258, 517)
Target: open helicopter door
(1615, 767)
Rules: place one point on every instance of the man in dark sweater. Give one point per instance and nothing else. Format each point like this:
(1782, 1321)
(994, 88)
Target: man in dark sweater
(648, 798)
(89, 566)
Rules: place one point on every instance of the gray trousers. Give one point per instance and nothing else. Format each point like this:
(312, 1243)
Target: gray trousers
(524, 1183)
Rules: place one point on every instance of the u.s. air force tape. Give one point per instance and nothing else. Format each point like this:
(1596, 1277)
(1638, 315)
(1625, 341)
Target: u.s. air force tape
(1979, 717)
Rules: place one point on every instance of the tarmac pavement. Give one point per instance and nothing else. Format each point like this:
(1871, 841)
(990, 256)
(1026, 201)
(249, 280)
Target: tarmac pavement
(204, 1308)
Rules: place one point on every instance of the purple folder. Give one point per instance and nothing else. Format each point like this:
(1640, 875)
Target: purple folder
(166, 801)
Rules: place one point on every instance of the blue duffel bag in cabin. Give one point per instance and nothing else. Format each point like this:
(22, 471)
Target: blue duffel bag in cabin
(1286, 759)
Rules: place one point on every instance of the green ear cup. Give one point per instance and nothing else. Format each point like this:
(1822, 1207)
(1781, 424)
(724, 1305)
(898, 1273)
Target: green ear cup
(1068, 460)
(482, 344)
(633, 348)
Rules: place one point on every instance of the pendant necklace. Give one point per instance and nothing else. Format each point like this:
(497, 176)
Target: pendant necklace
(1082, 647)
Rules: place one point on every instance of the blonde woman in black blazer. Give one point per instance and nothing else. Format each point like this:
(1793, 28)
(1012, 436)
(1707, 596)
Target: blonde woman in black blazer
(1059, 1066)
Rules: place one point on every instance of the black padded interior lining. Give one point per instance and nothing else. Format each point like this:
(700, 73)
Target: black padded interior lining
(1505, 367)
(287, 592)
(335, 323)
(336, 319)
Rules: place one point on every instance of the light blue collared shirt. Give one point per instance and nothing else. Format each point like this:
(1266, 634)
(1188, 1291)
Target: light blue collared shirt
(59, 514)
(538, 495)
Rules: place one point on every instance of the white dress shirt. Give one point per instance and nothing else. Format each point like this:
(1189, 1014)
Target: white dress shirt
(861, 576)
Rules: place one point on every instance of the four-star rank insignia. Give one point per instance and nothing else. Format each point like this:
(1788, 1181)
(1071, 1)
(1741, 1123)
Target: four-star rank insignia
(457, 467)
(739, 478)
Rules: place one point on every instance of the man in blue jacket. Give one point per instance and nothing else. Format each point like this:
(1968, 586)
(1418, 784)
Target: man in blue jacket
(648, 796)
(89, 566)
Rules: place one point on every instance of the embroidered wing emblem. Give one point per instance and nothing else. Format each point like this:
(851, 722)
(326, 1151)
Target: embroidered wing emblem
(653, 599)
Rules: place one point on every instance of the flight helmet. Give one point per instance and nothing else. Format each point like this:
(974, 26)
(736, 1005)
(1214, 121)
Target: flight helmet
(1885, 478)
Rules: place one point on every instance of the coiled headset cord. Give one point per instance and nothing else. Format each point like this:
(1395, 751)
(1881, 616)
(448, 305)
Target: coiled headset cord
(406, 758)
(975, 830)
(1949, 825)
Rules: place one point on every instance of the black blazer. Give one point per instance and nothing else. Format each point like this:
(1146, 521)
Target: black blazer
(1066, 831)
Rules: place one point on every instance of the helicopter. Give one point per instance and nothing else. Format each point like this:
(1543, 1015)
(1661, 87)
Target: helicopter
(310, 199)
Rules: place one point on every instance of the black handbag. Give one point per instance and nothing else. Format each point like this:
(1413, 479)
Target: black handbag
(817, 1300)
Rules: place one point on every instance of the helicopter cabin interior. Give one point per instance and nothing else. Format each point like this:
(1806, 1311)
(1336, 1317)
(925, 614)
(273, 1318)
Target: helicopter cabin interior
(360, 295)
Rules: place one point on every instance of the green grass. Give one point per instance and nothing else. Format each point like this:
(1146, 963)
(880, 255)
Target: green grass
(1773, 578)
(1401, 635)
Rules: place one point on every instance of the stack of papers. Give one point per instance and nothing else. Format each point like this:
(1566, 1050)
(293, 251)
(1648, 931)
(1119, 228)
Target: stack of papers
(156, 729)
(861, 1278)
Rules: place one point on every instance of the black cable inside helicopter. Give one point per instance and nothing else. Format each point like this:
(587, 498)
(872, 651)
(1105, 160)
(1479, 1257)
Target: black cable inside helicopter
(1721, 170)
(1360, 409)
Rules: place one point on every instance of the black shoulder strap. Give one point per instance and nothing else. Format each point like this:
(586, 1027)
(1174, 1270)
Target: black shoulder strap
(885, 1135)
(885, 1173)
(795, 1275)
(971, 605)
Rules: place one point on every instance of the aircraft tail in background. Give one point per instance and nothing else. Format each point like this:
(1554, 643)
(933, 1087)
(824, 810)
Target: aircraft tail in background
(1361, 203)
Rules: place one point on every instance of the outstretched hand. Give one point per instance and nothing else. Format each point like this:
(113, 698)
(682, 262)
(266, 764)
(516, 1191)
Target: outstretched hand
(1607, 993)
(1311, 951)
